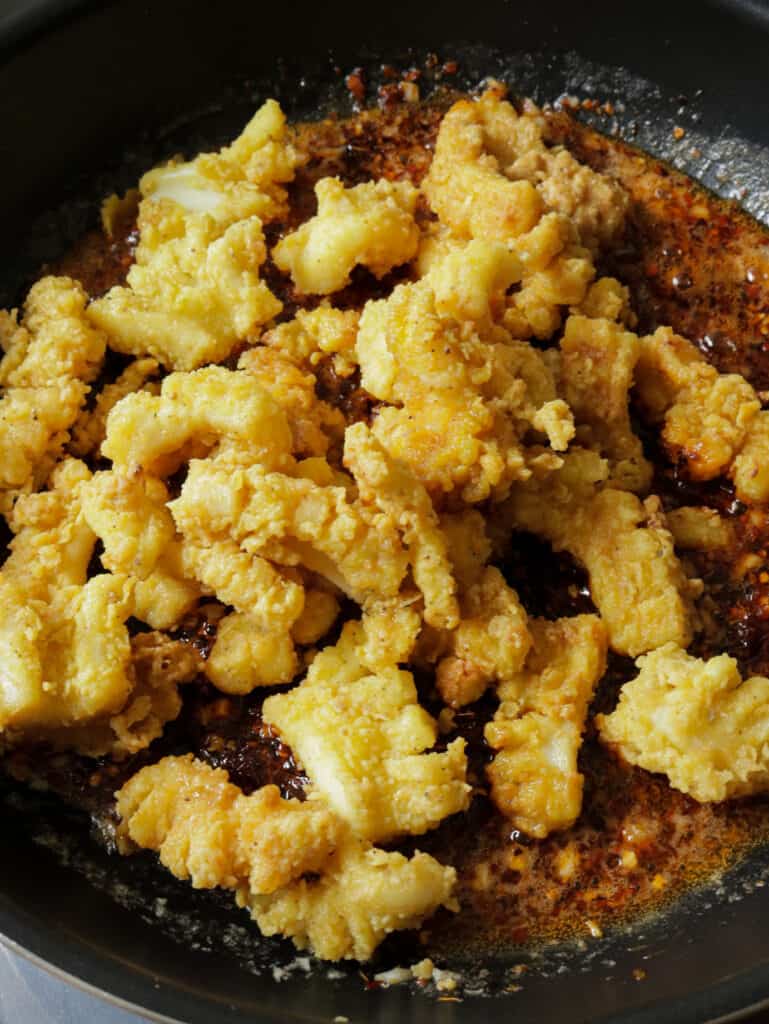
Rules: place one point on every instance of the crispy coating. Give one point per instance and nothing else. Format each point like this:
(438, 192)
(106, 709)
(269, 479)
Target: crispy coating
(711, 419)
(247, 582)
(314, 424)
(695, 721)
(212, 408)
(245, 655)
(264, 848)
(535, 310)
(609, 299)
(364, 894)
(208, 830)
(469, 281)
(294, 521)
(193, 293)
(90, 428)
(194, 289)
(537, 729)
(595, 203)
(53, 543)
(750, 468)
(490, 643)
(699, 529)
(468, 544)
(158, 667)
(360, 741)
(34, 425)
(64, 649)
(371, 225)
(54, 341)
(465, 184)
(129, 516)
(394, 489)
(49, 359)
(318, 615)
(389, 629)
(66, 661)
(242, 180)
(493, 175)
(463, 403)
(473, 281)
(316, 333)
(596, 373)
(636, 581)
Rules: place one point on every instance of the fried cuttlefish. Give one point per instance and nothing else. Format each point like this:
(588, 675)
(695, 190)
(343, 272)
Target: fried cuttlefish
(332, 465)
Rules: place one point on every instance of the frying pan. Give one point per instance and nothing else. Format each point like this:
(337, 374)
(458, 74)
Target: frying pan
(90, 95)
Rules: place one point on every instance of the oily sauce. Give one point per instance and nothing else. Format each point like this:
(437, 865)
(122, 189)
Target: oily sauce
(691, 261)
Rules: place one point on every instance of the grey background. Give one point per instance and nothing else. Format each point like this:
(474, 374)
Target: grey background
(29, 995)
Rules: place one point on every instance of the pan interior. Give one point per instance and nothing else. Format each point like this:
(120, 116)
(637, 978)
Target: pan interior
(204, 923)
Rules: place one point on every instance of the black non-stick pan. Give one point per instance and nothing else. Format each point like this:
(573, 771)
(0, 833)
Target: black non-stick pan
(91, 94)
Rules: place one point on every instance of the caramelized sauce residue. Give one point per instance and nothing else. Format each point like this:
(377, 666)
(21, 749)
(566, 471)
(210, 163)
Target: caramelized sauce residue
(691, 261)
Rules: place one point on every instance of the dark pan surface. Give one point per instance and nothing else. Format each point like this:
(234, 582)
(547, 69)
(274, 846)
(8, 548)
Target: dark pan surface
(129, 74)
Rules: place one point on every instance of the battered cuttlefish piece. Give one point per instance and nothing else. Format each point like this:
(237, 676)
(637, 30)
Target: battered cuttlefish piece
(64, 651)
(711, 419)
(364, 894)
(49, 360)
(371, 224)
(537, 729)
(293, 521)
(206, 829)
(317, 333)
(595, 374)
(69, 674)
(394, 489)
(548, 265)
(314, 424)
(194, 290)
(695, 721)
(360, 737)
(212, 409)
(129, 515)
(462, 392)
(491, 639)
(636, 581)
(260, 845)
(90, 428)
(159, 666)
(492, 176)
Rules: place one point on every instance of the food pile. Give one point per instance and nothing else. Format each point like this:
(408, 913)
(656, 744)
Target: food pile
(348, 551)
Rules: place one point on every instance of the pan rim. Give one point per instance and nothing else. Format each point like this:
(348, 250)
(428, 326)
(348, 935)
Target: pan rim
(17, 30)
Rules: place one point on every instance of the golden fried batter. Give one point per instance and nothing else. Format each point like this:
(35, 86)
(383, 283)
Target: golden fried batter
(695, 721)
(209, 831)
(260, 845)
(363, 461)
(364, 894)
(194, 290)
(360, 740)
(712, 420)
(597, 360)
(371, 224)
(50, 358)
(637, 583)
(537, 729)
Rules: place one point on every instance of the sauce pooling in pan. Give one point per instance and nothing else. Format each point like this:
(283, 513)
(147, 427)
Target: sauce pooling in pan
(690, 261)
